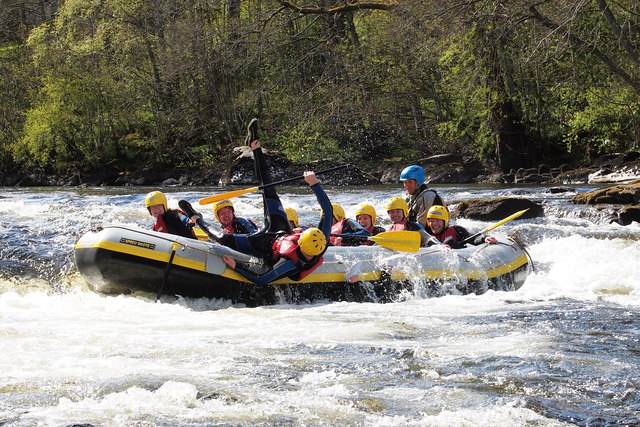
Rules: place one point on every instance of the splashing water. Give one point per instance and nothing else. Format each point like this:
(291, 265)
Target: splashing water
(562, 350)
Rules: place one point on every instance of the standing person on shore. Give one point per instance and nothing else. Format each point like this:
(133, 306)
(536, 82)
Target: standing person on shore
(172, 221)
(419, 197)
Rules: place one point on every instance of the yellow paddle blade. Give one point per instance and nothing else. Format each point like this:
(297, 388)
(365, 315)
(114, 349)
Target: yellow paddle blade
(504, 221)
(401, 241)
(201, 235)
(228, 195)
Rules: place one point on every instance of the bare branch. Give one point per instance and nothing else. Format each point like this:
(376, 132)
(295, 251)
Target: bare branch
(341, 8)
(579, 43)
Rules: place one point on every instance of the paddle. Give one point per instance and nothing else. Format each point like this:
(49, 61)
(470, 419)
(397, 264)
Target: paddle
(188, 209)
(236, 193)
(401, 241)
(496, 225)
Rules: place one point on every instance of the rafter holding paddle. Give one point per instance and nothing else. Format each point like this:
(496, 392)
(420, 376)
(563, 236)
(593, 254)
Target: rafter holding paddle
(237, 193)
(401, 241)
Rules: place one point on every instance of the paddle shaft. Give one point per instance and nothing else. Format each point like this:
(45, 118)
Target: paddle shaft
(296, 178)
(188, 209)
(351, 236)
(496, 225)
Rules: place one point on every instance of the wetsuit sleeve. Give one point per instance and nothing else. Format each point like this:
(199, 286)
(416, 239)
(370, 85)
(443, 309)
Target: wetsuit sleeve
(327, 210)
(244, 226)
(184, 218)
(281, 269)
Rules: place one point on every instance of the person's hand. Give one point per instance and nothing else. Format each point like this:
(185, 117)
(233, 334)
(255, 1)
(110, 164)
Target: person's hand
(490, 240)
(255, 144)
(310, 178)
(231, 263)
(194, 219)
(337, 241)
(353, 279)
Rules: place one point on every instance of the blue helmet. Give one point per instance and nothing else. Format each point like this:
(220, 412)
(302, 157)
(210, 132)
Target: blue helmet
(413, 172)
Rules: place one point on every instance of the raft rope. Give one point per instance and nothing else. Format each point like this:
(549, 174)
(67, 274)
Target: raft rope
(174, 248)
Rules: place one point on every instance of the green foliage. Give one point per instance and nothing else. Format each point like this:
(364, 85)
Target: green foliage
(304, 142)
(609, 121)
(132, 82)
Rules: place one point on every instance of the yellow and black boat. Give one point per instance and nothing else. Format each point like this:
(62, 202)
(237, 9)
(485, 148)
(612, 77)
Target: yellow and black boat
(119, 259)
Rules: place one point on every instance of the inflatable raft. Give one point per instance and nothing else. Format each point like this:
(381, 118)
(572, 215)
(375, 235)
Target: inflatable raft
(118, 259)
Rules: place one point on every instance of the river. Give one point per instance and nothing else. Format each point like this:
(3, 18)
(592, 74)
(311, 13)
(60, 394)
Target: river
(562, 350)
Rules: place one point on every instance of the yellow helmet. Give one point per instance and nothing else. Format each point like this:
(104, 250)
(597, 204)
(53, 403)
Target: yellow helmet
(367, 209)
(292, 216)
(156, 198)
(338, 212)
(398, 203)
(439, 212)
(221, 204)
(312, 242)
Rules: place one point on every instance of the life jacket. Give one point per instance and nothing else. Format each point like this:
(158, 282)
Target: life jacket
(170, 222)
(453, 236)
(447, 236)
(287, 247)
(405, 225)
(375, 230)
(347, 226)
(336, 229)
(437, 200)
(240, 226)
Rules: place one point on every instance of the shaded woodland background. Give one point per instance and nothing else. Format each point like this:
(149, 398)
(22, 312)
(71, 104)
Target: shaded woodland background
(126, 84)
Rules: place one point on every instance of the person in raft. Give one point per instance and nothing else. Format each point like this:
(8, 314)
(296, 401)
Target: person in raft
(453, 236)
(226, 215)
(345, 227)
(366, 217)
(398, 210)
(289, 254)
(294, 220)
(172, 221)
(419, 197)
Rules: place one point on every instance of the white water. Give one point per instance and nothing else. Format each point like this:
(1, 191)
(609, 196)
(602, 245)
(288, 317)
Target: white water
(560, 349)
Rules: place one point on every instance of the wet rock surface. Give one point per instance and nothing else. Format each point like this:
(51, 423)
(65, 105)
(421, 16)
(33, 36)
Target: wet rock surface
(624, 194)
(497, 209)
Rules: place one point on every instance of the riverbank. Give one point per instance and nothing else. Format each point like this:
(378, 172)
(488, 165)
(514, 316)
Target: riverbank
(440, 169)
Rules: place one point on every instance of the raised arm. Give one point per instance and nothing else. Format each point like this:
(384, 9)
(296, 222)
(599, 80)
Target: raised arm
(323, 201)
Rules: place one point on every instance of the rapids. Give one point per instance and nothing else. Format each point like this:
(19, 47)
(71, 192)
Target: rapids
(563, 350)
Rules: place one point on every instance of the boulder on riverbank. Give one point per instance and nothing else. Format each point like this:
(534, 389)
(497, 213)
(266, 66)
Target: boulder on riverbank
(625, 194)
(497, 209)
(629, 214)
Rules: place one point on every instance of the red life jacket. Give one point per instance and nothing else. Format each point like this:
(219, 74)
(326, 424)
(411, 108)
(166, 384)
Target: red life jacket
(336, 229)
(160, 225)
(399, 226)
(447, 236)
(287, 247)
